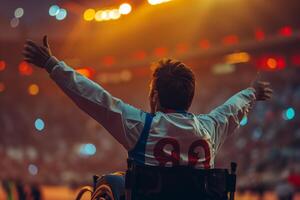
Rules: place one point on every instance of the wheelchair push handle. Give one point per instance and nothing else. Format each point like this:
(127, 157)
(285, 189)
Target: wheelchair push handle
(233, 167)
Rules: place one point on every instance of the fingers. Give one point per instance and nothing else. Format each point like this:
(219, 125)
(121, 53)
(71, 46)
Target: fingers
(45, 41)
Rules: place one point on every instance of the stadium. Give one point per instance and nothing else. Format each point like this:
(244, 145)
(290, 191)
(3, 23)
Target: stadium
(49, 148)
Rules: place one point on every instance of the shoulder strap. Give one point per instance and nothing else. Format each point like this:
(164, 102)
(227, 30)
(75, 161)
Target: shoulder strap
(138, 152)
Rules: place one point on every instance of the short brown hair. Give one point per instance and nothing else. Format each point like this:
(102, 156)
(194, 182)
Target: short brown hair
(175, 83)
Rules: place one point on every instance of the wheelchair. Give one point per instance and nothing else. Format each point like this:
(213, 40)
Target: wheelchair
(164, 183)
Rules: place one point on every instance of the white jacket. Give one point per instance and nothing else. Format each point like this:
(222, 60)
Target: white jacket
(167, 138)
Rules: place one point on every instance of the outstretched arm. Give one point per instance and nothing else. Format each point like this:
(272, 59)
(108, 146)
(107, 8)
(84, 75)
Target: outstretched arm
(225, 119)
(123, 121)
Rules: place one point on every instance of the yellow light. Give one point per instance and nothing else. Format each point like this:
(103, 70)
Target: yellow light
(155, 2)
(125, 8)
(114, 14)
(105, 15)
(272, 63)
(89, 14)
(33, 89)
(98, 15)
(241, 57)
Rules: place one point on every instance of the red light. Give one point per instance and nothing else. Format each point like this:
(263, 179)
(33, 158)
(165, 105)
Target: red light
(204, 44)
(230, 40)
(25, 69)
(271, 63)
(109, 61)
(2, 87)
(182, 48)
(160, 51)
(139, 55)
(296, 59)
(286, 31)
(2, 65)
(86, 71)
(259, 35)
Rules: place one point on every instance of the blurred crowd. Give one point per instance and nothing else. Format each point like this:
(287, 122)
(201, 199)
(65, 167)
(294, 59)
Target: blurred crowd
(266, 147)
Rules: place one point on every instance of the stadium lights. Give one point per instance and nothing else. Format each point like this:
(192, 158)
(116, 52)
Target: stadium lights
(57, 12)
(155, 2)
(2, 87)
(105, 15)
(125, 8)
(2, 65)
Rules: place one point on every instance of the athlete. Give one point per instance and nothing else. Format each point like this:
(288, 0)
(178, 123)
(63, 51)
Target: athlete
(167, 136)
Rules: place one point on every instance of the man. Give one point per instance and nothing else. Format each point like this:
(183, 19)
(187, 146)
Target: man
(169, 135)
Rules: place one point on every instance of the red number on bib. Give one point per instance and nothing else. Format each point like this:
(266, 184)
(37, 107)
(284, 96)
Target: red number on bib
(162, 157)
(194, 156)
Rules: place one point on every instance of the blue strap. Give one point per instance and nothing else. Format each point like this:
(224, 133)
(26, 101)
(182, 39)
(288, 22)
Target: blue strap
(138, 152)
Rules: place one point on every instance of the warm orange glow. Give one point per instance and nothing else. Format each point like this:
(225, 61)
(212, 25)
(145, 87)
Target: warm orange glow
(89, 14)
(87, 72)
(160, 51)
(25, 68)
(98, 16)
(241, 57)
(155, 2)
(230, 40)
(102, 15)
(182, 48)
(114, 14)
(2, 65)
(272, 63)
(108, 60)
(33, 89)
(2, 87)
(139, 55)
(259, 34)
(204, 44)
(125, 8)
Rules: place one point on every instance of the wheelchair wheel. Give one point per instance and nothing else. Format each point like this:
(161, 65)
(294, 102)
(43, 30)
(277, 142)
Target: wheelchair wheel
(103, 192)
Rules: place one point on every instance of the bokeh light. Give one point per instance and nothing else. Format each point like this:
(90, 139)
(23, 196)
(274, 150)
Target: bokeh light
(14, 22)
(2, 65)
(99, 15)
(54, 10)
(2, 87)
(155, 2)
(87, 149)
(114, 14)
(25, 68)
(89, 14)
(244, 121)
(19, 12)
(33, 169)
(62, 14)
(33, 89)
(39, 124)
(289, 114)
(272, 63)
(125, 8)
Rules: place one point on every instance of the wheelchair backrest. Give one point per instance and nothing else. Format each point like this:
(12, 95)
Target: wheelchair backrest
(163, 183)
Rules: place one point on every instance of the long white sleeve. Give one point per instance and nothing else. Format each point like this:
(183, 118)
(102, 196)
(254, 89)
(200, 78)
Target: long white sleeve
(225, 119)
(122, 121)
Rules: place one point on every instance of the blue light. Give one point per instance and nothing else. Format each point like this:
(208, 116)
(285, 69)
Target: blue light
(289, 114)
(39, 124)
(54, 10)
(87, 149)
(244, 121)
(62, 14)
(33, 169)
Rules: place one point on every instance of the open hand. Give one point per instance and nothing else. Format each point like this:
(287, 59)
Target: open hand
(263, 90)
(35, 54)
